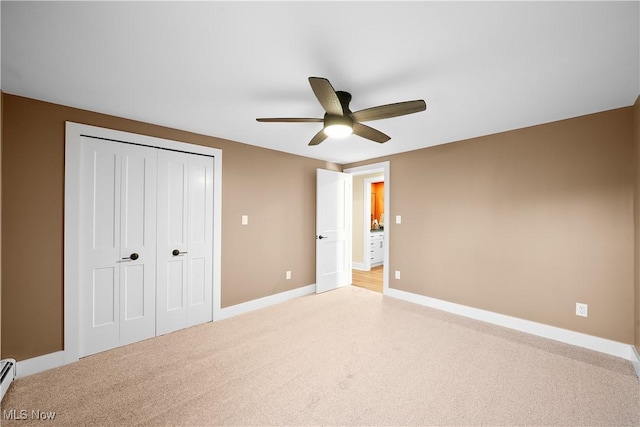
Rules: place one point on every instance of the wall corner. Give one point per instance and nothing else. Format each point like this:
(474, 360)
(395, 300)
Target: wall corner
(636, 220)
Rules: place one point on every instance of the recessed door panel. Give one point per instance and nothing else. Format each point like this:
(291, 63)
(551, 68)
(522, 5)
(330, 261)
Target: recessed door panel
(175, 285)
(104, 295)
(198, 203)
(104, 209)
(134, 294)
(176, 201)
(197, 292)
(134, 181)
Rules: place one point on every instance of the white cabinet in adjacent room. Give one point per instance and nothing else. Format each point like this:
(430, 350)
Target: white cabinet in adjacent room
(377, 248)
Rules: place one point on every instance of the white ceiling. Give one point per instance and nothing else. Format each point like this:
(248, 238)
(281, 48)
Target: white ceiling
(214, 67)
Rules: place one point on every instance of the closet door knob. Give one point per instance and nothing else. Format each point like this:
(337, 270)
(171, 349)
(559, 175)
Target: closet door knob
(134, 256)
(177, 252)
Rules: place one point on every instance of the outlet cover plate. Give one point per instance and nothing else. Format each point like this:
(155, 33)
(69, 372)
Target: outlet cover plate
(582, 309)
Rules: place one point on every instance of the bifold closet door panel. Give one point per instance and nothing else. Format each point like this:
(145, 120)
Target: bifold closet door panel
(184, 240)
(117, 257)
(138, 240)
(171, 279)
(100, 246)
(200, 235)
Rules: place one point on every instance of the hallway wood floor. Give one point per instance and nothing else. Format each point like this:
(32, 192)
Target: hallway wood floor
(371, 280)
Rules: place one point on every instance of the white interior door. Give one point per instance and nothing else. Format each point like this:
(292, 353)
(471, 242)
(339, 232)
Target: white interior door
(333, 229)
(117, 288)
(184, 241)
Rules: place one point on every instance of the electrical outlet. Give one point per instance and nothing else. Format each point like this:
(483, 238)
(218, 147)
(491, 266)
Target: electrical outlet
(397, 275)
(288, 275)
(582, 309)
(398, 219)
(245, 219)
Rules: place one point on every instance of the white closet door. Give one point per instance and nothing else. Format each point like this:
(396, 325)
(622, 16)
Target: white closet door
(99, 246)
(184, 240)
(117, 256)
(138, 240)
(200, 235)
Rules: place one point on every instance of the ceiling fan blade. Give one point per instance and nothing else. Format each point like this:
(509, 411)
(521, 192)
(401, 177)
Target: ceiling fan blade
(369, 133)
(318, 138)
(291, 120)
(326, 95)
(389, 110)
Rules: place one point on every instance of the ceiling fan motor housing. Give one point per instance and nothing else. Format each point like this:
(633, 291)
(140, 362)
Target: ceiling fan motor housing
(332, 120)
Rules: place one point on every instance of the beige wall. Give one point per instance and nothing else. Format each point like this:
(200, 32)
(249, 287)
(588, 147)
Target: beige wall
(275, 189)
(358, 214)
(636, 127)
(524, 223)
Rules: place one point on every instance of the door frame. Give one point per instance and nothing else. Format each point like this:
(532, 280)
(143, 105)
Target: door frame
(385, 169)
(366, 211)
(73, 140)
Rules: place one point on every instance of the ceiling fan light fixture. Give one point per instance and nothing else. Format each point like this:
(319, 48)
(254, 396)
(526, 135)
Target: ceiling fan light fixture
(338, 126)
(338, 131)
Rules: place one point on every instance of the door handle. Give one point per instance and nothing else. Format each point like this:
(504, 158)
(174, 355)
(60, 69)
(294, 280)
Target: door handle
(321, 237)
(177, 252)
(134, 256)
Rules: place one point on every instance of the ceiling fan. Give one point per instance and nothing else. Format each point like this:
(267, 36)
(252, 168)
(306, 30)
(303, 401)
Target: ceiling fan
(340, 121)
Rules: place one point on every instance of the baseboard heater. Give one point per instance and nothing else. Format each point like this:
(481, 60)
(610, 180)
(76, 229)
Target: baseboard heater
(7, 375)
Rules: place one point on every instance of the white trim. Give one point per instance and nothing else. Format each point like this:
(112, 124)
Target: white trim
(358, 266)
(635, 360)
(35, 365)
(590, 342)
(73, 138)
(385, 168)
(255, 304)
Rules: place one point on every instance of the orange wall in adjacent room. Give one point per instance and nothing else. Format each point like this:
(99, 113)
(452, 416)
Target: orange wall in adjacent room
(377, 189)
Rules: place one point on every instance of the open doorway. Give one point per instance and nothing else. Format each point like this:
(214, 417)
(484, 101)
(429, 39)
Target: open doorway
(371, 195)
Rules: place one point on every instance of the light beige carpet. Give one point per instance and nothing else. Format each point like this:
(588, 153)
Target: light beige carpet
(346, 357)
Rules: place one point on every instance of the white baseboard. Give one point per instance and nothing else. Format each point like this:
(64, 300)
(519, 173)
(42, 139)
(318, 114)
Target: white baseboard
(255, 304)
(27, 367)
(635, 360)
(358, 266)
(38, 364)
(590, 342)
(625, 351)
